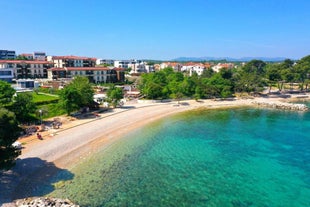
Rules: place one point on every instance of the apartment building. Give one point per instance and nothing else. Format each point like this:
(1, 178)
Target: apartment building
(24, 69)
(72, 61)
(94, 74)
(104, 61)
(7, 54)
(137, 66)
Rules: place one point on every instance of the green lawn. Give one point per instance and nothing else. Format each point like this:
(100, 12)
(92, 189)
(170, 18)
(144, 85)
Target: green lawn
(48, 103)
(39, 98)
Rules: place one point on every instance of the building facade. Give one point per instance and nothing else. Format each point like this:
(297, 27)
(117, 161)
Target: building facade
(94, 74)
(6, 74)
(26, 69)
(105, 61)
(72, 61)
(7, 54)
(137, 66)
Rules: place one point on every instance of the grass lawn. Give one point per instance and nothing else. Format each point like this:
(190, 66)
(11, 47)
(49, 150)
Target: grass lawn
(49, 104)
(37, 98)
(52, 109)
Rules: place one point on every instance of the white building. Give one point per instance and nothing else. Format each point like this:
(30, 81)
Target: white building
(193, 67)
(104, 61)
(219, 66)
(137, 66)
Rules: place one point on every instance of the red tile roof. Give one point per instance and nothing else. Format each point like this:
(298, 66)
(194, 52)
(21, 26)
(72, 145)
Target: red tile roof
(85, 68)
(71, 57)
(26, 54)
(26, 61)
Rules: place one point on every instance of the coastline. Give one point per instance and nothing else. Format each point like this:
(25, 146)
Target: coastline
(77, 140)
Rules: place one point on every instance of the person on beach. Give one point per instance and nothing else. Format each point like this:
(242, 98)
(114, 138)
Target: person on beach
(39, 136)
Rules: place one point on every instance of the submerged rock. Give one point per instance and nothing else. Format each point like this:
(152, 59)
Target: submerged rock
(44, 202)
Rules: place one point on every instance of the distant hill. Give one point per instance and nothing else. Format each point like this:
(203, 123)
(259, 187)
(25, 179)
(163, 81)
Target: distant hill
(243, 59)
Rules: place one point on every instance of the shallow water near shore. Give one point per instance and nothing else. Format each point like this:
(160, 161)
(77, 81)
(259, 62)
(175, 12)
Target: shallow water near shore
(226, 157)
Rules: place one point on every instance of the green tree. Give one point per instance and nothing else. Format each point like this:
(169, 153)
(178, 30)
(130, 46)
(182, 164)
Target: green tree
(273, 75)
(114, 95)
(255, 66)
(302, 68)
(9, 132)
(154, 85)
(70, 99)
(207, 73)
(6, 94)
(248, 82)
(217, 86)
(85, 89)
(23, 106)
(77, 94)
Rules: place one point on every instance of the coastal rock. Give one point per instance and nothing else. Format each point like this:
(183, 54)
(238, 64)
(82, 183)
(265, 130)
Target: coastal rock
(282, 105)
(44, 202)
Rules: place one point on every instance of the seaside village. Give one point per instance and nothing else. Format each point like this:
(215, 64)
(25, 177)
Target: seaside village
(33, 70)
(30, 71)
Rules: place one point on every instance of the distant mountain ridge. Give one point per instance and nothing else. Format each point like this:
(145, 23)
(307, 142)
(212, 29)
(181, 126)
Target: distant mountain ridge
(243, 59)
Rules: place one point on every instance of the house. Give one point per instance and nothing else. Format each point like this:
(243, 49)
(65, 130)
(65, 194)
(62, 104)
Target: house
(219, 66)
(176, 66)
(193, 67)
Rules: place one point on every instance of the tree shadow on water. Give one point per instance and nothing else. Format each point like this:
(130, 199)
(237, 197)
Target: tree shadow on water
(30, 177)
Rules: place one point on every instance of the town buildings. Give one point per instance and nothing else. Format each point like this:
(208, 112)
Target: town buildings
(39, 66)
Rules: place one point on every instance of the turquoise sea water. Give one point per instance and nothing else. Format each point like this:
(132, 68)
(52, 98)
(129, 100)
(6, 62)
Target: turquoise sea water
(228, 157)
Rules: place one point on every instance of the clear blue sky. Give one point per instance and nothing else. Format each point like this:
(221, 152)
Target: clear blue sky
(157, 29)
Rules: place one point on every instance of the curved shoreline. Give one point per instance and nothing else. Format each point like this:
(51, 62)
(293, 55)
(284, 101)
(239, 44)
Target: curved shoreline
(71, 145)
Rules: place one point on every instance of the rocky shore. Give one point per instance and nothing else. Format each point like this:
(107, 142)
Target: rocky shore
(43, 202)
(281, 105)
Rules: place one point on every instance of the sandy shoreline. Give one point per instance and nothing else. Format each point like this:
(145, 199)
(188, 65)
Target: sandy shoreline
(40, 160)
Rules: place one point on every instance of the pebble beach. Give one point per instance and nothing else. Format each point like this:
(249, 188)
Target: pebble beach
(63, 148)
